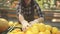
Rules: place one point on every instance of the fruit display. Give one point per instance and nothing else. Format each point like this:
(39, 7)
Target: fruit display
(37, 28)
(14, 4)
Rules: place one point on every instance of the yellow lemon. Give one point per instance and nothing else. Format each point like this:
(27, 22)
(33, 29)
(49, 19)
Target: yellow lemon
(42, 27)
(48, 27)
(16, 30)
(54, 30)
(34, 29)
(28, 32)
(47, 32)
(41, 32)
(36, 24)
(19, 33)
(11, 23)
(28, 29)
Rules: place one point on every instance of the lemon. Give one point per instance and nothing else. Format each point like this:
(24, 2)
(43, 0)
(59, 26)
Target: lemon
(47, 32)
(16, 30)
(34, 29)
(19, 33)
(41, 32)
(48, 27)
(42, 27)
(36, 24)
(11, 23)
(54, 30)
(28, 29)
(28, 32)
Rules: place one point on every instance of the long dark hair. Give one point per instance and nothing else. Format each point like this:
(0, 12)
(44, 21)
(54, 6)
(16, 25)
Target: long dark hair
(23, 3)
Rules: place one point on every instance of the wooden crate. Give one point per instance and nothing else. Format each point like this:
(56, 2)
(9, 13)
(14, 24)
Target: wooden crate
(51, 15)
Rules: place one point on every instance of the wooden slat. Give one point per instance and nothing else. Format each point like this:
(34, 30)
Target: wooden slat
(52, 15)
(48, 18)
(56, 13)
(55, 20)
(56, 16)
(11, 15)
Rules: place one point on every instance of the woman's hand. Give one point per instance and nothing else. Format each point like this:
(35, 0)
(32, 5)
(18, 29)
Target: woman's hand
(25, 25)
(39, 20)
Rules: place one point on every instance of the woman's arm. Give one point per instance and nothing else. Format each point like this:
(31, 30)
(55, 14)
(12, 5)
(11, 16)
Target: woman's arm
(21, 19)
(39, 14)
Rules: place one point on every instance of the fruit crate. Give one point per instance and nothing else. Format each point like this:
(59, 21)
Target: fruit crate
(6, 4)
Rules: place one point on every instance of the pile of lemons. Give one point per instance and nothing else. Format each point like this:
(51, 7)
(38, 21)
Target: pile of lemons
(37, 28)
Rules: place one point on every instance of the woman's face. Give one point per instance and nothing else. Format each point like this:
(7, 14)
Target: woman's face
(27, 1)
